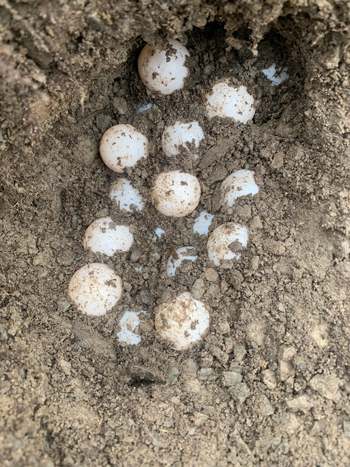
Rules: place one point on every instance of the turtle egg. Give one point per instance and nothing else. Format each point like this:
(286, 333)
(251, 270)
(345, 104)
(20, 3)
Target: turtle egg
(123, 146)
(227, 100)
(202, 223)
(128, 324)
(105, 236)
(143, 107)
(185, 252)
(176, 193)
(182, 322)
(95, 289)
(226, 242)
(158, 233)
(275, 75)
(240, 183)
(163, 70)
(181, 135)
(126, 196)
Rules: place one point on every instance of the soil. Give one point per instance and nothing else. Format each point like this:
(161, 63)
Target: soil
(270, 383)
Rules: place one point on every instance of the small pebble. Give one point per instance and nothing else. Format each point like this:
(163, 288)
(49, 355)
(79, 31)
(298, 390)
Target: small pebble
(211, 275)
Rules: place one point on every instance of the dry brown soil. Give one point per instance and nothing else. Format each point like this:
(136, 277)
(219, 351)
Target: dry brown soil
(270, 384)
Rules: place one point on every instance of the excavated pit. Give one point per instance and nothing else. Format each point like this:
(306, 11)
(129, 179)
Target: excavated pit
(269, 384)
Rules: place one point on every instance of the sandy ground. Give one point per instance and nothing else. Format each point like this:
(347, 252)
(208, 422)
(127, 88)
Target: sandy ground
(270, 383)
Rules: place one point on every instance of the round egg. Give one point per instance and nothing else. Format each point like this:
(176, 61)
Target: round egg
(126, 196)
(123, 146)
(227, 100)
(226, 242)
(181, 135)
(128, 324)
(176, 193)
(105, 236)
(240, 183)
(163, 70)
(182, 322)
(95, 289)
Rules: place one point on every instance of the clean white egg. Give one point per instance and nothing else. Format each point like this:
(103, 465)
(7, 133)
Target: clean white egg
(105, 236)
(202, 223)
(240, 183)
(128, 324)
(95, 289)
(181, 135)
(185, 252)
(126, 196)
(176, 193)
(123, 146)
(182, 322)
(226, 242)
(227, 100)
(163, 70)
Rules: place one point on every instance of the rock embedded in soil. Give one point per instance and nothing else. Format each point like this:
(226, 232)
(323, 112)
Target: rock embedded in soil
(286, 367)
(211, 275)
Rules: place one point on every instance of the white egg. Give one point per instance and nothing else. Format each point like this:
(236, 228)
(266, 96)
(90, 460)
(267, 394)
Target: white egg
(159, 232)
(95, 289)
(163, 70)
(276, 76)
(105, 236)
(185, 252)
(202, 223)
(227, 100)
(226, 242)
(128, 324)
(181, 135)
(240, 183)
(182, 322)
(176, 193)
(123, 146)
(143, 107)
(126, 196)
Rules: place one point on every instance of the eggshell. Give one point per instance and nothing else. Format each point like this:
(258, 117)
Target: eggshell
(95, 289)
(163, 70)
(126, 196)
(227, 100)
(226, 242)
(176, 193)
(123, 146)
(185, 252)
(182, 322)
(105, 236)
(240, 183)
(181, 135)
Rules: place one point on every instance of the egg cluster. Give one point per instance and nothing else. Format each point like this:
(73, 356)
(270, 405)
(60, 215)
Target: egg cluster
(96, 288)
